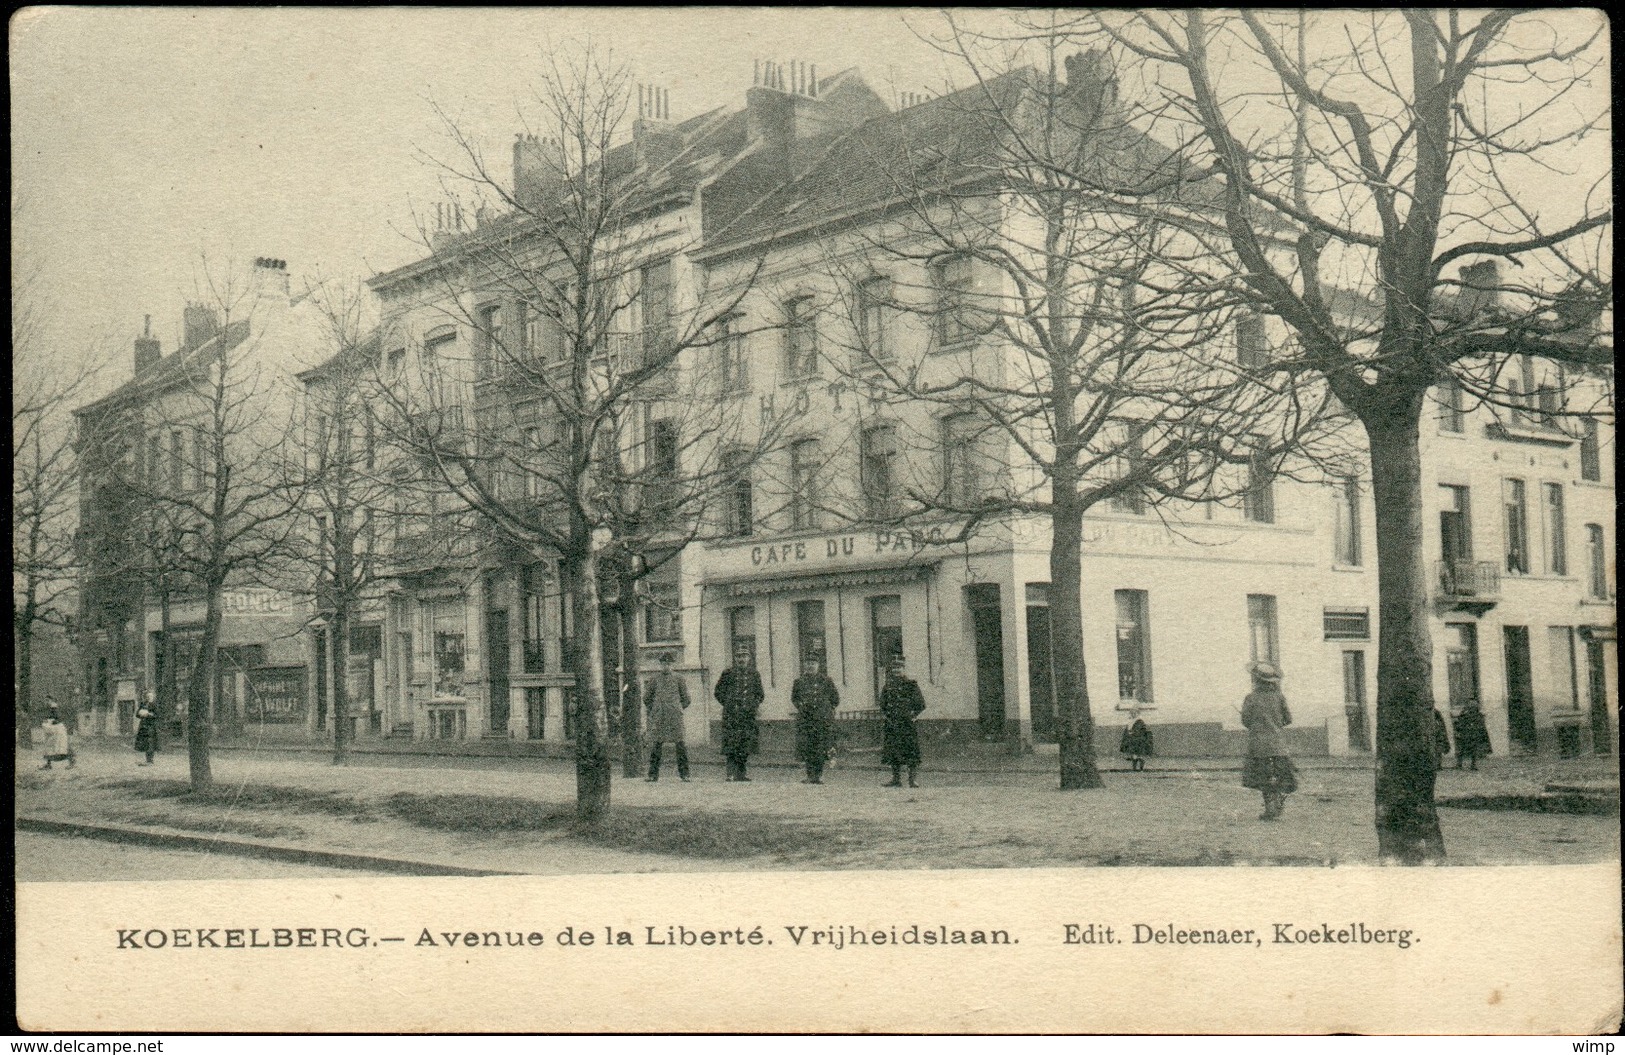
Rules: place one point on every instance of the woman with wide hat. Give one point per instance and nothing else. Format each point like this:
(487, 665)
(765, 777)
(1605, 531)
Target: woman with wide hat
(1264, 713)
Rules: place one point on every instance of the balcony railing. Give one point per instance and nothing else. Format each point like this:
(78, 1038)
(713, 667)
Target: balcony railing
(1469, 579)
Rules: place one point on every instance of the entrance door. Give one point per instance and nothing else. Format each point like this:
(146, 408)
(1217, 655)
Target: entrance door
(1520, 688)
(496, 658)
(886, 637)
(1597, 691)
(1461, 663)
(987, 627)
(1040, 674)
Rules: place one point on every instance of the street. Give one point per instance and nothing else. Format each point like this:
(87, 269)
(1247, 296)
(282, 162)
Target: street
(59, 859)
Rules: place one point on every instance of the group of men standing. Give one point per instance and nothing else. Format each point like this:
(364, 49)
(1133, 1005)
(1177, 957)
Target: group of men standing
(815, 699)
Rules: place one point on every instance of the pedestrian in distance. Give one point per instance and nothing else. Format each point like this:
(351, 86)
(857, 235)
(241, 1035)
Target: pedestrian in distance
(900, 703)
(1137, 742)
(1264, 714)
(815, 700)
(1441, 739)
(664, 701)
(55, 737)
(739, 691)
(1472, 735)
(146, 727)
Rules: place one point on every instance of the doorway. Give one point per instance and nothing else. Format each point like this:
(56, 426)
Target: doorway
(1597, 691)
(1520, 688)
(496, 658)
(1461, 664)
(1040, 666)
(885, 636)
(987, 630)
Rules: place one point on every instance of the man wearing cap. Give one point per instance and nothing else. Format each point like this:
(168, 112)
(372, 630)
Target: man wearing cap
(739, 691)
(665, 700)
(815, 700)
(900, 703)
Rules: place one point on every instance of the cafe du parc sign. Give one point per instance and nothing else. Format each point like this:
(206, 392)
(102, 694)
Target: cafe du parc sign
(834, 551)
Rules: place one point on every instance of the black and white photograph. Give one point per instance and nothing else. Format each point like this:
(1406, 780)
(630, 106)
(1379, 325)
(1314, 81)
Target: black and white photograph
(1075, 465)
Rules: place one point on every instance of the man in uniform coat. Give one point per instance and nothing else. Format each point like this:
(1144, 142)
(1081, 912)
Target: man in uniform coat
(815, 700)
(665, 700)
(739, 690)
(900, 703)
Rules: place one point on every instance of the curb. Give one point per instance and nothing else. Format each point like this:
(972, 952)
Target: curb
(263, 851)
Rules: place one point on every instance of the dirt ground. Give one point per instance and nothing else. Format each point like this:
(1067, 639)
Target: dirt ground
(1174, 815)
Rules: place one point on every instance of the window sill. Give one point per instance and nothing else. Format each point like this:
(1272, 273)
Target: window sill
(1597, 602)
(1539, 434)
(1594, 485)
(1348, 567)
(1135, 705)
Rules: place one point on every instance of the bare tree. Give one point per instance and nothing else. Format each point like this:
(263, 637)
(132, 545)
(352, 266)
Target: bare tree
(44, 511)
(1079, 329)
(574, 427)
(1359, 159)
(188, 463)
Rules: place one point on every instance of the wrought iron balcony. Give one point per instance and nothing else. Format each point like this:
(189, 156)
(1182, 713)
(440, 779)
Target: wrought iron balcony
(1469, 584)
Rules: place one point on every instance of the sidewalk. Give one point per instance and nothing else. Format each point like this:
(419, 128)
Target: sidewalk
(513, 815)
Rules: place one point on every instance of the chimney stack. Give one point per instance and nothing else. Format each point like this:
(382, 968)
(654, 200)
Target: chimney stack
(271, 275)
(147, 349)
(200, 324)
(537, 165)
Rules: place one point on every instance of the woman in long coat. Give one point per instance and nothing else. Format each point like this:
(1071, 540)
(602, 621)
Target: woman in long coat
(815, 700)
(1264, 713)
(146, 730)
(900, 703)
(665, 700)
(739, 691)
(1472, 735)
(1137, 743)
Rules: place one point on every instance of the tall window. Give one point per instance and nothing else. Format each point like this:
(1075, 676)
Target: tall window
(1590, 451)
(1549, 395)
(1557, 551)
(732, 376)
(490, 347)
(661, 471)
(953, 281)
(1263, 639)
(153, 471)
(739, 514)
(874, 295)
(1133, 458)
(1596, 563)
(200, 459)
(1347, 523)
(1516, 522)
(662, 608)
(804, 491)
(655, 302)
(176, 457)
(533, 595)
(1133, 646)
(1258, 502)
(800, 337)
(878, 456)
(394, 365)
(1251, 351)
(1522, 391)
(962, 483)
(530, 459)
(1452, 412)
(1455, 523)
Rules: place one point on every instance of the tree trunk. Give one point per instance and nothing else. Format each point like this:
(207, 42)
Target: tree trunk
(1075, 730)
(340, 652)
(163, 695)
(632, 747)
(1407, 822)
(586, 656)
(25, 676)
(200, 691)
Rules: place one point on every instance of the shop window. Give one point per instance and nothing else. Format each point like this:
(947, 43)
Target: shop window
(1262, 633)
(742, 632)
(810, 634)
(449, 649)
(1557, 555)
(1516, 525)
(1133, 646)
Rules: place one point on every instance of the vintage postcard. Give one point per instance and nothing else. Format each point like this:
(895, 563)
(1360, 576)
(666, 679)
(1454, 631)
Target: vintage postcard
(1132, 493)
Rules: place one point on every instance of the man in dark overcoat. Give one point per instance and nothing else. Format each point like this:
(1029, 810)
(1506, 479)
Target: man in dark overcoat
(815, 700)
(900, 703)
(665, 699)
(739, 690)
